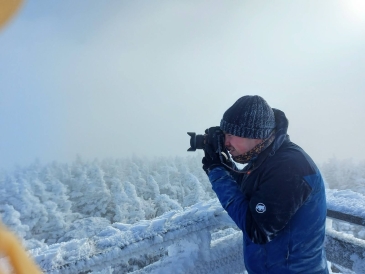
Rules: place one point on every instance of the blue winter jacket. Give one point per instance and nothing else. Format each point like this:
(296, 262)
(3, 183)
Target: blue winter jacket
(279, 205)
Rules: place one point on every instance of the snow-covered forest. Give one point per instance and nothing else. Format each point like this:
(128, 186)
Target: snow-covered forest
(52, 203)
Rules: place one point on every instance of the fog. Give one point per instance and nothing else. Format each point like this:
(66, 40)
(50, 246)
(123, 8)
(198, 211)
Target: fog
(117, 78)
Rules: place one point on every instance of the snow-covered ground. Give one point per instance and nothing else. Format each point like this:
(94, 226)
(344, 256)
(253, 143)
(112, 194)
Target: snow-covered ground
(135, 216)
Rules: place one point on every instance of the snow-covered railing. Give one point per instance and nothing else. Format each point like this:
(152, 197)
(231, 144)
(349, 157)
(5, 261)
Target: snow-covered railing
(346, 205)
(344, 249)
(200, 239)
(352, 249)
(346, 217)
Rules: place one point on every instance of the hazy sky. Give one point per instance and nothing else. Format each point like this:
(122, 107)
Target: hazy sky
(116, 78)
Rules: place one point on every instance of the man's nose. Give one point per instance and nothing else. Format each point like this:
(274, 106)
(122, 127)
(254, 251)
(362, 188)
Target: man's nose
(226, 143)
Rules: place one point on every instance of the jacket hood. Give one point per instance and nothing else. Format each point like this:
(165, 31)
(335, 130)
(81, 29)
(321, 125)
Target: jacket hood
(280, 136)
(282, 124)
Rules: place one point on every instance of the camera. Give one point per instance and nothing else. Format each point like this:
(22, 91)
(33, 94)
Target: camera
(213, 136)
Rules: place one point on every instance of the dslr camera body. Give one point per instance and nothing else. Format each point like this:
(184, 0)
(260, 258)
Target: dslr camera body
(213, 136)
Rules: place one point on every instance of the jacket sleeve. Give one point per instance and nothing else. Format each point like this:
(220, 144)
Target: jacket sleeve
(230, 196)
(280, 193)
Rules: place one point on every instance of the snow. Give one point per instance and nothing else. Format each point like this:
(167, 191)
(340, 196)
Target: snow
(358, 246)
(183, 236)
(183, 239)
(152, 218)
(346, 201)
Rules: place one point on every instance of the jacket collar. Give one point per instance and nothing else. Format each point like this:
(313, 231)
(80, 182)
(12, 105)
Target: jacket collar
(280, 136)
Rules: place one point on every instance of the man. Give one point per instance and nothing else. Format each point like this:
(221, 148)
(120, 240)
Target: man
(278, 199)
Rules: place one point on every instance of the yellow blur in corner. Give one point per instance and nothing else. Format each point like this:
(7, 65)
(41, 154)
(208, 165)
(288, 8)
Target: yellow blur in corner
(8, 9)
(10, 246)
(19, 260)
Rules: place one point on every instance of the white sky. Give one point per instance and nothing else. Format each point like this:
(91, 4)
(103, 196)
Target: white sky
(116, 78)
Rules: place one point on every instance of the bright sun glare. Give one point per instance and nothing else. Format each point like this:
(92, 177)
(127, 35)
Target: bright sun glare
(355, 9)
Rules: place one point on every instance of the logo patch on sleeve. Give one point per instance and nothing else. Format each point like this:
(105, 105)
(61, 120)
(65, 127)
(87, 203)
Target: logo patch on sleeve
(260, 208)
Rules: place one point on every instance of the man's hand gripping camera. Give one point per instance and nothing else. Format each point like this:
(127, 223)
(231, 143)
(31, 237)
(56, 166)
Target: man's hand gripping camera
(212, 142)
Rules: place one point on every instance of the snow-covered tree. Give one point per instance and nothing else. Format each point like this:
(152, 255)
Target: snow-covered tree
(98, 191)
(89, 193)
(152, 189)
(359, 181)
(134, 176)
(194, 190)
(118, 199)
(11, 218)
(164, 203)
(134, 210)
(339, 174)
(33, 213)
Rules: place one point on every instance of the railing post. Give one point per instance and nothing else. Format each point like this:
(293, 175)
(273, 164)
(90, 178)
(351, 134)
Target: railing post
(348, 252)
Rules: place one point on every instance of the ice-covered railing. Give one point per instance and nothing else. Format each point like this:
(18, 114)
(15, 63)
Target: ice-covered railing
(346, 205)
(342, 248)
(200, 239)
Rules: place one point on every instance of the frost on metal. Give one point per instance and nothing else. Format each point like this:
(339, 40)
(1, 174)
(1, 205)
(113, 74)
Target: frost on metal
(178, 240)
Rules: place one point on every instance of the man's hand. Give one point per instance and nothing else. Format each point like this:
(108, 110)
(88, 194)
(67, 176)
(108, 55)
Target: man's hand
(212, 158)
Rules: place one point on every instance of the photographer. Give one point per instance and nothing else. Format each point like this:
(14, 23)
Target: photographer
(278, 199)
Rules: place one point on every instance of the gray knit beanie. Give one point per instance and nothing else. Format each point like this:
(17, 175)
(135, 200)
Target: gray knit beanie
(249, 117)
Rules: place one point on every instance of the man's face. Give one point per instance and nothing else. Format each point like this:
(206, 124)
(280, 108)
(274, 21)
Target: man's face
(239, 145)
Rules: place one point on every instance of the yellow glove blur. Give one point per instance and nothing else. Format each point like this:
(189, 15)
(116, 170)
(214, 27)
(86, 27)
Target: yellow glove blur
(8, 9)
(11, 247)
